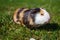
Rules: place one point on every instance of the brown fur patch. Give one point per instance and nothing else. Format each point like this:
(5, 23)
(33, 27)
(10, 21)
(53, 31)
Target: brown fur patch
(30, 20)
(41, 12)
(21, 16)
(14, 16)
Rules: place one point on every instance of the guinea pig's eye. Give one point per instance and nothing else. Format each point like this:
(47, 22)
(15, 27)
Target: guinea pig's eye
(42, 14)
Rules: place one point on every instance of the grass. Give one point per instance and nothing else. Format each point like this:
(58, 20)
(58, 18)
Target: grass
(11, 31)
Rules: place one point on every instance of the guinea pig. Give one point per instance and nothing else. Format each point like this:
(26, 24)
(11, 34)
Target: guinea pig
(31, 17)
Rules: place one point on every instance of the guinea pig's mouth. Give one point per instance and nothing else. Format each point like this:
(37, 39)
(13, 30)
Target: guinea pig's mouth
(47, 21)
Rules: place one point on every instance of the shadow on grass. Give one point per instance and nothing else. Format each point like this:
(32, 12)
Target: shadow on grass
(48, 27)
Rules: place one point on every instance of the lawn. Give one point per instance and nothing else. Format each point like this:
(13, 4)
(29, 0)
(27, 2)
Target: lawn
(11, 31)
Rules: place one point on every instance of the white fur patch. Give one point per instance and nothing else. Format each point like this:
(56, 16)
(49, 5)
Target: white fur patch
(41, 19)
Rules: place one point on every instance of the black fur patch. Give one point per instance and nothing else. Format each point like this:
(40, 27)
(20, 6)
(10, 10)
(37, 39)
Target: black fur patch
(25, 18)
(32, 13)
(35, 10)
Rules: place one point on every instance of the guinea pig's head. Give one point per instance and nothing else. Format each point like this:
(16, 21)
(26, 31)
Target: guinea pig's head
(42, 17)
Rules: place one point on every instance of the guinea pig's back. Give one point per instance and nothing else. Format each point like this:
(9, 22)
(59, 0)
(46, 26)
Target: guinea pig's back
(17, 14)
